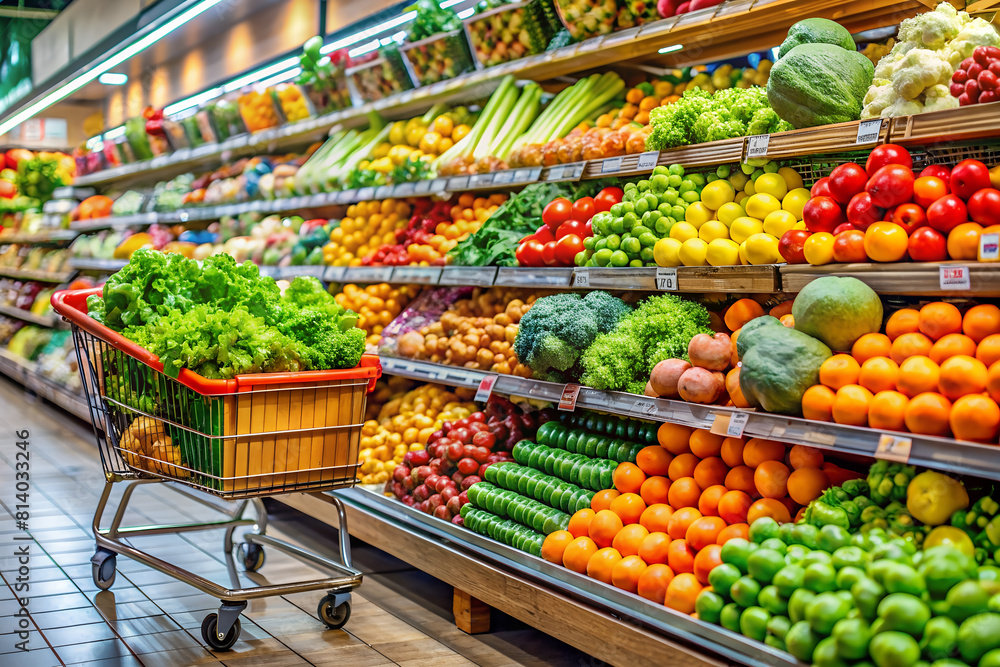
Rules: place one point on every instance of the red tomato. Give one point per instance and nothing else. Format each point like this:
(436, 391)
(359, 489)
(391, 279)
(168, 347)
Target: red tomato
(549, 254)
(571, 227)
(790, 245)
(529, 253)
(557, 212)
(821, 188)
(910, 217)
(584, 208)
(607, 198)
(567, 247)
(7, 189)
(984, 206)
(543, 235)
(588, 229)
(849, 247)
(822, 214)
(927, 245)
(847, 180)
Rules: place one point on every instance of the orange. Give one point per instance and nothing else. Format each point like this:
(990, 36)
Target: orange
(938, 319)
(578, 553)
(673, 437)
(759, 450)
(851, 405)
(654, 548)
(928, 414)
(654, 490)
(653, 460)
(740, 478)
(604, 526)
(680, 556)
(742, 312)
(708, 504)
(685, 492)
(802, 456)
(602, 499)
(817, 403)
(887, 411)
(733, 507)
(988, 350)
(680, 522)
(769, 507)
(903, 321)
(655, 518)
(628, 478)
(654, 581)
(910, 345)
(963, 241)
(839, 370)
(682, 466)
(704, 443)
(806, 484)
(704, 531)
(732, 451)
(871, 345)
(771, 479)
(981, 321)
(602, 563)
(733, 531)
(975, 417)
(682, 593)
(879, 374)
(629, 507)
(963, 375)
(993, 381)
(951, 345)
(706, 561)
(579, 523)
(626, 572)
(628, 539)
(885, 242)
(710, 472)
(917, 375)
(555, 545)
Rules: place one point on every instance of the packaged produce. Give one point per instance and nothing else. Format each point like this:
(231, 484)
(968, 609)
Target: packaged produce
(226, 120)
(257, 110)
(192, 131)
(382, 76)
(138, 140)
(438, 57)
(323, 77)
(293, 103)
(508, 32)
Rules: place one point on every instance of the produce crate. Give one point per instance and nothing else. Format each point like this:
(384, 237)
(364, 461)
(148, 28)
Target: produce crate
(977, 120)
(438, 57)
(508, 32)
(585, 18)
(381, 77)
(331, 94)
(291, 102)
(257, 109)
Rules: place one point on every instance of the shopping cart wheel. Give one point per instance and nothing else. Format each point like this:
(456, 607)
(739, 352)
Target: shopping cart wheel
(210, 633)
(102, 568)
(252, 556)
(333, 615)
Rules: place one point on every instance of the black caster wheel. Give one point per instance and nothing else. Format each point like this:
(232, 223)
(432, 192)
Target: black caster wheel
(334, 617)
(252, 556)
(102, 568)
(210, 633)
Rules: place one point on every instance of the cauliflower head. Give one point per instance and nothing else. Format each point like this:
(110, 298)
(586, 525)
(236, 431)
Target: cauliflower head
(938, 98)
(903, 107)
(933, 30)
(920, 69)
(879, 96)
(976, 32)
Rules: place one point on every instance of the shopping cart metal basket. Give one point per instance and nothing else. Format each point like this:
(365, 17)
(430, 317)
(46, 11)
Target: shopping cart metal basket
(239, 439)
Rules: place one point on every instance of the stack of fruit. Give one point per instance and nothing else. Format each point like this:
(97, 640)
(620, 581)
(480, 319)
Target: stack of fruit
(418, 139)
(566, 229)
(366, 226)
(376, 305)
(427, 216)
(467, 215)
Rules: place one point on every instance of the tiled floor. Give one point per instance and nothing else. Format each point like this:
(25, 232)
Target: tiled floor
(399, 615)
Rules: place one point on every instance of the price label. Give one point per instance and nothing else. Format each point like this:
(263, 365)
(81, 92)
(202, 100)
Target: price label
(439, 185)
(737, 422)
(424, 275)
(868, 131)
(468, 275)
(989, 247)
(556, 173)
(365, 194)
(333, 274)
(383, 192)
(485, 388)
(567, 401)
(757, 145)
(505, 177)
(576, 170)
(647, 408)
(346, 196)
(611, 165)
(481, 181)
(523, 176)
(955, 278)
(893, 448)
(647, 161)
(422, 187)
(581, 278)
(405, 189)
(322, 199)
(534, 174)
(666, 278)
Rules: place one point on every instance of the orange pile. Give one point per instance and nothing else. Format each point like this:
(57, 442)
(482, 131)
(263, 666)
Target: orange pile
(933, 372)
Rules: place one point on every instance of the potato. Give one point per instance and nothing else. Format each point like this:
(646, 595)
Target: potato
(663, 379)
(699, 385)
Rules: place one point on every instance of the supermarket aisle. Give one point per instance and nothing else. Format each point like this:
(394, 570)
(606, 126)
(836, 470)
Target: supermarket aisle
(399, 617)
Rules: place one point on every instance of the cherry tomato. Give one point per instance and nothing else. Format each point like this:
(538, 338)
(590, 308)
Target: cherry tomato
(549, 254)
(584, 208)
(557, 212)
(927, 245)
(567, 247)
(529, 253)
(607, 198)
(571, 227)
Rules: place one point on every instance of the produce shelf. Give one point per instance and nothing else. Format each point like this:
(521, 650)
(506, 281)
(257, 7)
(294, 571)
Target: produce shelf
(20, 314)
(41, 276)
(947, 454)
(24, 372)
(904, 278)
(90, 264)
(838, 138)
(758, 279)
(52, 236)
(968, 122)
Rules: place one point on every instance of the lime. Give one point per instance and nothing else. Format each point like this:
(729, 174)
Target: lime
(721, 251)
(617, 210)
(665, 252)
(774, 642)
(787, 580)
(771, 184)
(729, 617)
(966, 599)
(816, 557)
(849, 556)
(743, 228)
(805, 534)
(709, 606)
(744, 591)
(753, 623)
(778, 626)
(691, 196)
(772, 600)
(820, 577)
(643, 185)
(683, 231)
(763, 564)
(674, 180)
(628, 207)
(940, 638)
(646, 255)
(630, 220)
(693, 252)
(905, 613)
(639, 230)
(991, 659)
(978, 635)
(798, 602)
(647, 239)
(632, 246)
(669, 197)
(890, 551)
(641, 206)
(722, 577)
(662, 226)
(677, 211)
(774, 543)
(736, 551)
(650, 217)
(619, 258)
(831, 538)
(659, 182)
(602, 257)
(687, 185)
(825, 610)
(589, 242)
(801, 641)
(763, 528)
(825, 654)
(796, 552)
(617, 225)
(867, 594)
(849, 575)
(664, 208)
(894, 649)
(852, 636)
(697, 178)
(785, 532)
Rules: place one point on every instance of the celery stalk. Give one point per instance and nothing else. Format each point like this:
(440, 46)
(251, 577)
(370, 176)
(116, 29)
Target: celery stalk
(495, 127)
(523, 115)
(465, 147)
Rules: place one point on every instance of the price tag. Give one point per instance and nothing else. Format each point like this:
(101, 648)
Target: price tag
(757, 145)
(989, 247)
(456, 183)
(556, 173)
(666, 278)
(468, 275)
(423, 187)
(893, 448)
(365, 194)
(505, 177)
(439, 185)
(647, 161)
(868, 131)
(534, 174)
(485, 388)
(581, 278)
(424, 275)
(481, 181)
(576, 170)
(737, 422)
(647, 408)
(322, 199)
(567, 401)
(523, 175)
(955, 278)
(346, 196)
(368, 274)
(611, 165)
(333, 274)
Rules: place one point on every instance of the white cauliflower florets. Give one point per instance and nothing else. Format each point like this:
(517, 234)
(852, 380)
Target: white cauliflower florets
(879, 96)
(889, 63)
(903, 108)
(934, 29)
(977, 32)
(938, 98)
(920, 69)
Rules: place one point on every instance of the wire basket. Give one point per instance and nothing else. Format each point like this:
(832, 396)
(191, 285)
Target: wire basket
(253, 435)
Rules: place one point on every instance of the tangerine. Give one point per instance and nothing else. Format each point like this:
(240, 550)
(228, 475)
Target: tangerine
(682, 592)
(851, 405)
(653, 460)
(871, 345)
(962, 375)
(629, 507)
(680, 556)
(654, 548)
(708, 503)
(759, 450)
(839, 370)
(628, 478)
(807, 484)
(656, 517)
(988, 350)
(733, 531)
(579, 523)
(602, 499)
(817, 403)
(740, 478)
(951, 345)
(732, 451)
(963, 241)
(887, 411)
(993, 381)
(685, 492)
(903, 321)
(626, 572)
(680, 522)
(683, 465)
(654, 581)
(879, 374)
(771, 479)
(710, 472)
(577, 554)
(629, 539)
(938, 319)
(910, 345)
(917, 375)
(975, 417)
(704, 443)
(655, 490)
(673, 437)
(803, 456)
(602, 564)
(604, 526)
(707, 560)
(704, 531)
(555, 545)
(741, 312)
(928, 414)
(981, 321)
(733, 507)
(770, 507)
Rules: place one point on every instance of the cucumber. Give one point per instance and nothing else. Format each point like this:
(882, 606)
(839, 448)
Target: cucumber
(574, 443)
(602, 447)
(533, 456)
(561, 437)
(607, 479)
(546, 431)
(522, 449)
(552, 523)
(530, 485)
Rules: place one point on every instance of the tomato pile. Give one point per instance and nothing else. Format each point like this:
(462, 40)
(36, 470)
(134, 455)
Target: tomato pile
(977, 79)
(565, 225)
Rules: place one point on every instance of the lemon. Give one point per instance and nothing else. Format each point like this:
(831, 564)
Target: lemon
(801, 224)
(749, 188)
(723, 252)
(693, 252)
(698, 214)
(729, 212)
(762, 249)
(713, 229)
(665, 252)
(744, 227)
(792, 178)
(760, 204)
(778, 222)
(717, 193)
(743, 253)
(795, 201)
(771, 184)
(682, 231)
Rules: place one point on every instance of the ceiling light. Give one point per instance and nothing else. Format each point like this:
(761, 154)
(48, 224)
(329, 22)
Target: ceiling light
(671, 49)
(113, 79)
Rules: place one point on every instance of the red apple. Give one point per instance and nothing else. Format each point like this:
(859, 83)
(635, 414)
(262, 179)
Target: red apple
(821, 188)
(847, 180)
(947, 213)
(968, 177)
(843, 227)
(928, 245)
(938, 171)
(887, 154)
(909, 217)
(861, 212)
(984, 206)
(790, 245)
(891, 185)
(822, 214)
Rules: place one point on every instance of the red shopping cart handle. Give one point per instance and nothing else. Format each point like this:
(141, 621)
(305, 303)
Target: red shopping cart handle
(72, 305)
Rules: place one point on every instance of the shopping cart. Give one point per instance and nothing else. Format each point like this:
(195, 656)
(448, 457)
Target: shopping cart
(239, 439)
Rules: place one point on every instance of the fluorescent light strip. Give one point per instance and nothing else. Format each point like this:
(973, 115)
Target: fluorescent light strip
(366, 48)
(192, 101)
(79, 82)
(279, 78)
(252, 77)
(671, 49)
(370, 32)
(450, 3)
(466, 13)
(110, 135)
(112, 79)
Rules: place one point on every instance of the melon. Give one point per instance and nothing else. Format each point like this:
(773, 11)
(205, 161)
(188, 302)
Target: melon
(837, 311)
